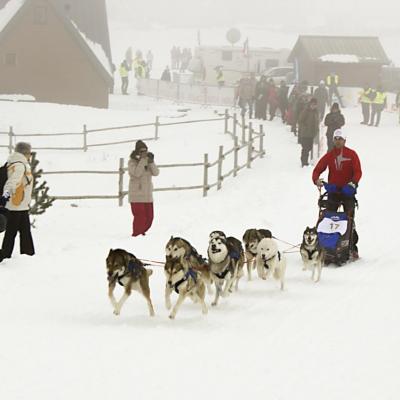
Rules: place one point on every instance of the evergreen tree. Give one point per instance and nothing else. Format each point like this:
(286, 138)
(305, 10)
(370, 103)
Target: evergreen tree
(40, 197)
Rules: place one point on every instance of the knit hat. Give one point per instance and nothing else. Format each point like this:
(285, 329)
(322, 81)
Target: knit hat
(140, 145)
(339, 134)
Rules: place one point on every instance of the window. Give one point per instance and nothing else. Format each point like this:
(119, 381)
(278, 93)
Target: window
(10, 59)
(227, 56)
(40, 15)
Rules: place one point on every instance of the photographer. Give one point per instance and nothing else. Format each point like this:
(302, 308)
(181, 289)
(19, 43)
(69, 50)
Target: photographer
(141, 169)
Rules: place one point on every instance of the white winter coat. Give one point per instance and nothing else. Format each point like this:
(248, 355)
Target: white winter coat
(19, 183)
(140, 182)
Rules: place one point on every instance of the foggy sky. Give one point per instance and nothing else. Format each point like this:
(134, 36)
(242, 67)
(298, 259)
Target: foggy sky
(313, 16)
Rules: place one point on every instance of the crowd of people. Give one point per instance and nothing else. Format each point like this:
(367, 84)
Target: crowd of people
(180, 58)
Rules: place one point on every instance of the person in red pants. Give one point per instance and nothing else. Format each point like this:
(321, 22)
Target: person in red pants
(141, 168)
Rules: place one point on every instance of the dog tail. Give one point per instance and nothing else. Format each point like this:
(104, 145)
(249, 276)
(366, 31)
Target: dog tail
(149, 272)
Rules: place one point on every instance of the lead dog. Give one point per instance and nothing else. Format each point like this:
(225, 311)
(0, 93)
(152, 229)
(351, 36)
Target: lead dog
(251, 238)
(127, 270)
(312, 253)
(226, 260)
(186, 282)
(178, 248)
(270, 261)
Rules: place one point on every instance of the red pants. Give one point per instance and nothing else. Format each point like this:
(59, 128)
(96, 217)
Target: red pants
(142, 218)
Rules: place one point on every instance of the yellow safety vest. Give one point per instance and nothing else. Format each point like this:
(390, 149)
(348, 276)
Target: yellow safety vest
(380, 98)
(364, 96)
(329, 80)
(123, 71)
(220, 76)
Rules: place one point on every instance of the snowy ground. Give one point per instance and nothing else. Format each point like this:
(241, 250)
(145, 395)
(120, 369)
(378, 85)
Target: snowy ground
(334, 340)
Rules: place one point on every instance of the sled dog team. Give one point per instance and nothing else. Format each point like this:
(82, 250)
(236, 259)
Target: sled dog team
(188, 274)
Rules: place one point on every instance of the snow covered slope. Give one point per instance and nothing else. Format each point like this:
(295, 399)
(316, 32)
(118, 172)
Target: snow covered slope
(334, 340)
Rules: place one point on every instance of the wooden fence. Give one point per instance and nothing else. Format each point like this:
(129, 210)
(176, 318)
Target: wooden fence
(13, 137)
(249, 140)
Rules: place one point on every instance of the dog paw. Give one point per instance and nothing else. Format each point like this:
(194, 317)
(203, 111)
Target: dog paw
(214, 303)
(171, 316)
(116, 312)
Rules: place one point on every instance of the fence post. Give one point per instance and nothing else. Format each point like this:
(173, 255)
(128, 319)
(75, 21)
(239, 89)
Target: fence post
(261, 148)
(220, 158)
(157, 124)
(10, 139)
(235, 156)
(234, 124)
(121, 182)
(205, 175)
(243, 130)
(226, 120)
(84, 138)
(250, 145)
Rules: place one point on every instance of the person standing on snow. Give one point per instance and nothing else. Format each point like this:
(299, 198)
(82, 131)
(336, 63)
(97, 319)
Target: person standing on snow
(332, 81)
(322, 96)
(333, 121)
(17, 195)
(124, 73)
(308, 129)
(366, 97)
(344, 175)
(378, 105)
(141, 169)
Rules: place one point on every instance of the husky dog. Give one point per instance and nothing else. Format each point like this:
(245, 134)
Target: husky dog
(312, 253)
(185, 281)
(181, 249)
(129, 272)
(270, 261)
(226, 259)
(251, 238)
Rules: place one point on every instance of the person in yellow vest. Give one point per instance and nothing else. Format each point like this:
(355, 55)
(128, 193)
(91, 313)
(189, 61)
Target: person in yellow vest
(378, 105)
(220, 76)
(124, 73)
(332, 81)
(367, 95)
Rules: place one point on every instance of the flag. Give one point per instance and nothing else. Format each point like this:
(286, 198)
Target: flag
(246, 48)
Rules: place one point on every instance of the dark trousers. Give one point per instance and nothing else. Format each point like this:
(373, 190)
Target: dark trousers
(243, 103)
(306, 146)
(143, 214)
(376, 111)
(365, 108)
(18, 221)
(349, 203)
(125, 83)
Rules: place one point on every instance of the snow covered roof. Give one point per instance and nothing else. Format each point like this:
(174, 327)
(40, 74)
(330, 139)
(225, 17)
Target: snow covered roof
(8, 12)
(340, 49)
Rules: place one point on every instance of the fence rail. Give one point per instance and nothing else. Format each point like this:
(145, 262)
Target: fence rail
(248, 141)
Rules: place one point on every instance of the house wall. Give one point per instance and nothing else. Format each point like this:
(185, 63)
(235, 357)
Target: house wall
(50, 64)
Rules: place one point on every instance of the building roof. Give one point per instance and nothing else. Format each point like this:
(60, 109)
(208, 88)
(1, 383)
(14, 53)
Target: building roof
(340, 49)
(95, 51)
(89, 16)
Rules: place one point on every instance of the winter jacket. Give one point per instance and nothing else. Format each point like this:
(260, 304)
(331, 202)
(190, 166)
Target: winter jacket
(247, 89)
(343, 164)
(309, 123)
(19, 183)
(333, 120)
(140, 182)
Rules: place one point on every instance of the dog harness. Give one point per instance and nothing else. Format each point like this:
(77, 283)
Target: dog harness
(271, 258)
(310, 252)
(133, 269)
(190, 274)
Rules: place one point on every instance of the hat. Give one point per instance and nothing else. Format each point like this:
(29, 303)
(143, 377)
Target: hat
(140, 145)
(339, 134)
(322, 82)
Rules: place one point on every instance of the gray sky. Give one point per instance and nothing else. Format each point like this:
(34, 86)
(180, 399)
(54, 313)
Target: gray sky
(338, 16)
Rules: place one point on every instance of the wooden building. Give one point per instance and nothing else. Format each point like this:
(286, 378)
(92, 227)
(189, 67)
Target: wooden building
(356, 60)
(56, 51)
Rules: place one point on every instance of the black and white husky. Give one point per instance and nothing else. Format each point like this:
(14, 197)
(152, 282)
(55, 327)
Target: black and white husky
(226, 261)
(312, 253)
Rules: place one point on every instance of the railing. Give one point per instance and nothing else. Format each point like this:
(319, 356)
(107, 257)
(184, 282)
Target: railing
(250, 141)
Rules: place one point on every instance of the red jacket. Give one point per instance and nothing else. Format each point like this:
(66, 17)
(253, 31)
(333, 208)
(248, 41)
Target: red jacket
(343, 164)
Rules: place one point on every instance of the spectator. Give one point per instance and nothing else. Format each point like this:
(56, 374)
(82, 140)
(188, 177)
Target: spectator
(166, 75)
(124, 73)
(322, 96)
(149, 60)
(333, 120)
(308, 129)
(261, 98)
(17, 195)
(366, 97)
(332, 81)
(283, 100)
(219, 75)
(272, 99)
(246, 94)
(141, 168)
(378, 105)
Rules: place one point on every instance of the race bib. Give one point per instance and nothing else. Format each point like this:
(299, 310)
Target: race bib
(327, 225)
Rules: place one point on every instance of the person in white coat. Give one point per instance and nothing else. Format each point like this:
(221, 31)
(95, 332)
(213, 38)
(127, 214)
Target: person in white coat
(17, 195)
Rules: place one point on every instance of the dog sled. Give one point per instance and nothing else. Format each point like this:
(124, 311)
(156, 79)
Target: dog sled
(336, 232)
